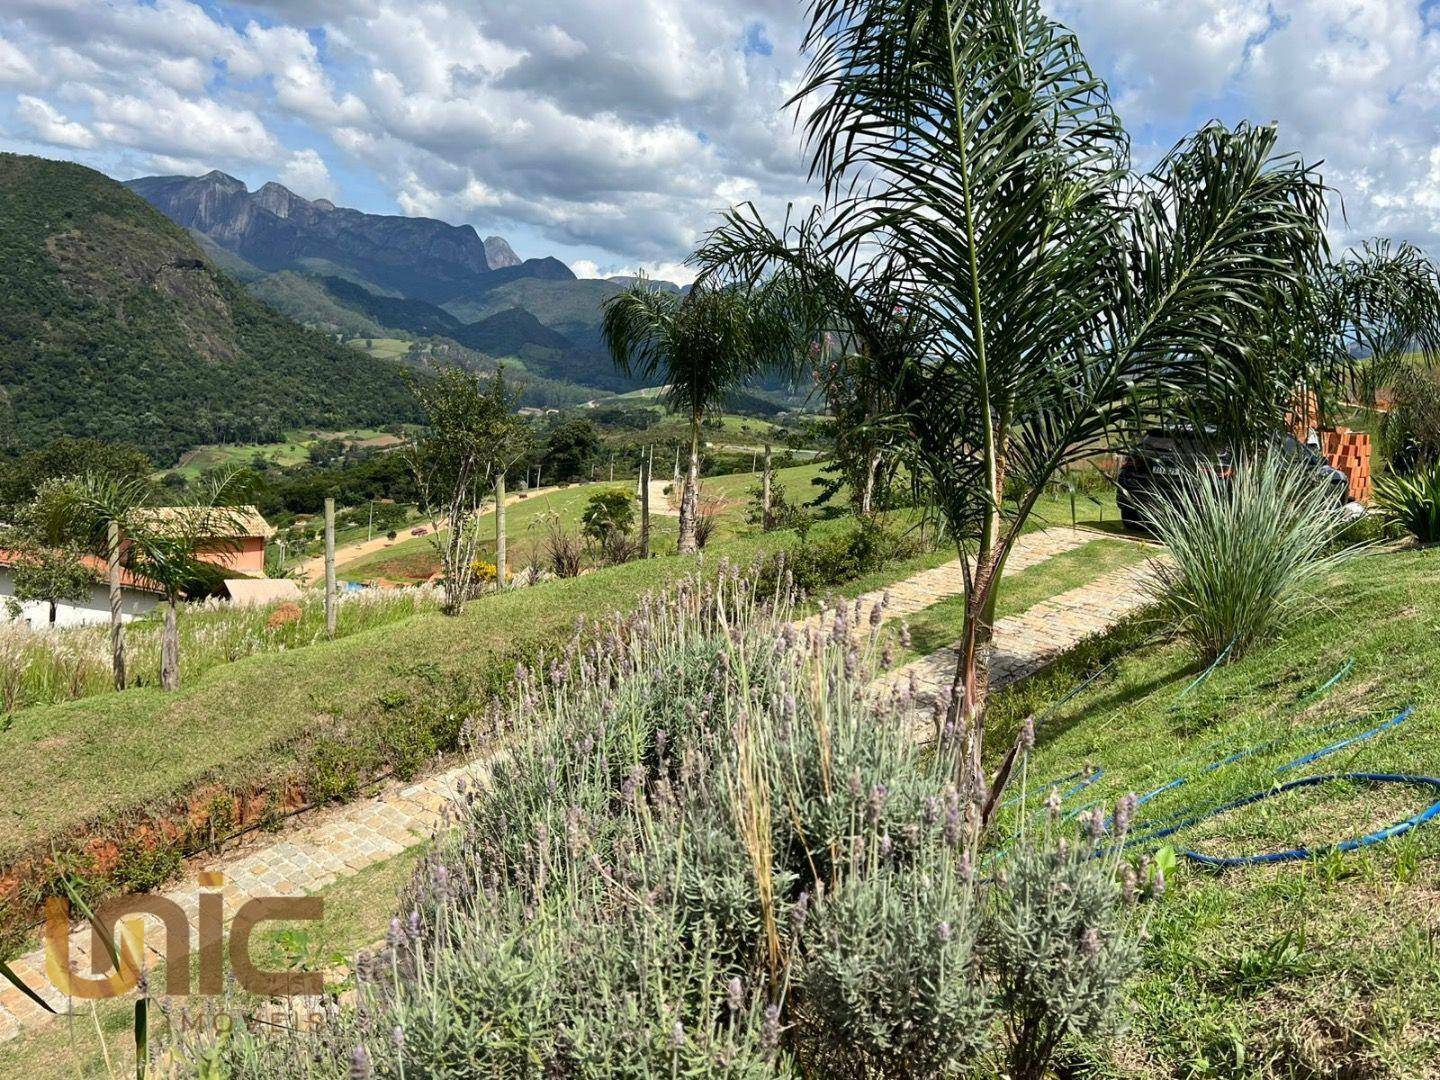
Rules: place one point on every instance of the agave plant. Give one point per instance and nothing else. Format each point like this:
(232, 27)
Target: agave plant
(1412, 501)
(1245, 551)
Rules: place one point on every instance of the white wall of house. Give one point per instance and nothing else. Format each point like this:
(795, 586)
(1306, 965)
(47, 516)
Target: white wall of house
(95, 608)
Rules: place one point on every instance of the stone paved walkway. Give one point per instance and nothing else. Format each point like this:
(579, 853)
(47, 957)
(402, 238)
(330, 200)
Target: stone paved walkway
(930, 587)
(343, 841)
(1024, 644)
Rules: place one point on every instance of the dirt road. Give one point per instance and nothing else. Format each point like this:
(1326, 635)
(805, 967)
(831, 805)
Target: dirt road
(312, 571)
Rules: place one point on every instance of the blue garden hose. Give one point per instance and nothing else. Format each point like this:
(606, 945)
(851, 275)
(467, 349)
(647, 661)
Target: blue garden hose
(1325, 751)
(1296, 854)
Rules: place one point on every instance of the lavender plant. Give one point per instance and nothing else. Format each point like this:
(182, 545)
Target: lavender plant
(706, 848)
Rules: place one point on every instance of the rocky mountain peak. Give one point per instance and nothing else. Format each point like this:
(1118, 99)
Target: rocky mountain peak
(216, 178)
(278, 199)
(499, 254)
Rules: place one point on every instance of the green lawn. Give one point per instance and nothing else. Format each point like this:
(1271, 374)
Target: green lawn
(384, 348)
(293, 450)
(1297, 969)
(415, 558)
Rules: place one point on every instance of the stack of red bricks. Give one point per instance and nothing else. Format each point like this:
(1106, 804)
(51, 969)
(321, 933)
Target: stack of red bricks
(1349, 451)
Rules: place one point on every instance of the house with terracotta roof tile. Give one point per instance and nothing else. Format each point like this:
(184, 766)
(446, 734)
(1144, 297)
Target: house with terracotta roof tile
(137, 597)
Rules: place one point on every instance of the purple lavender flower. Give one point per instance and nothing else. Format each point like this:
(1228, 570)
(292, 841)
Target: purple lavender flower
(1027, 735)
(799, 912)
(677, 1036)
(397, 1036)
(943, 932)
(1052, 803)
(770, 1030)
(1125, 814)
(735, 994)
(878, 796)
(360, 1063)
(1090, 943)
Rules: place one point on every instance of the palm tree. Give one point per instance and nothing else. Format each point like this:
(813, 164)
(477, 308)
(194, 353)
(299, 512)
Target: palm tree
(703, 344)
(977, 185)
(171, 547)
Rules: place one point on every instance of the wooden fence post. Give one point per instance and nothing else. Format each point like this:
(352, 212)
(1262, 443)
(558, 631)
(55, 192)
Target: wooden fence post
(500, 530)
(117, 618)
(645, 505)
(765, 493)
(330, 568)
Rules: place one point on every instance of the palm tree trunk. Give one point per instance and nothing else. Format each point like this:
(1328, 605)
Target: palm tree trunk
(867, 493)
(690, 496)
(52, 612)
(117, 623)
(170, 647)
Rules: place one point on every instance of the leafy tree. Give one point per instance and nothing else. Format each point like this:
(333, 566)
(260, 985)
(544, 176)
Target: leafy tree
(1022, 294)
(46, 565)
(608, 518)
(570, 450)
(703, 344)
(472, 436)
(63, 459)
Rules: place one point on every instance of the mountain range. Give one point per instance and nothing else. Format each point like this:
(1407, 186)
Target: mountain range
(360, 275)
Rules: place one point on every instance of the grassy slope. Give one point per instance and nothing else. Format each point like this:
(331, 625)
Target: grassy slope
(1296, 967)
(415, 558)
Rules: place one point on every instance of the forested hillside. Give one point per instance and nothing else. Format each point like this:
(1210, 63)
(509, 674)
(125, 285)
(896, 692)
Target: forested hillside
(114, 324)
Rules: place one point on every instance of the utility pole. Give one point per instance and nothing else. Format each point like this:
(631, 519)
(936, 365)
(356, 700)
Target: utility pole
(500, 530)
(765, 493)
(117, 621)
(370, 528)
(645, 504)
(330, 568)
(612, 468)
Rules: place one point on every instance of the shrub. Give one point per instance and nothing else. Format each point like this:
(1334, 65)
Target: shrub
(1412, 501)
(1059, 947)
(707, 520)
(608, 513)
(891, 977)
(783, 513)
(1410, 431)
(1245, 551)
(607, 520)
(708, 851)
(562, 550)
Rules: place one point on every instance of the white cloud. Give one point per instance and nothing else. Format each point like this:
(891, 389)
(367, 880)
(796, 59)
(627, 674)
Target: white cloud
(50, 126)
(615, 130)
(1351, 82)
(158, 119)
(15, 67)
(307, 175)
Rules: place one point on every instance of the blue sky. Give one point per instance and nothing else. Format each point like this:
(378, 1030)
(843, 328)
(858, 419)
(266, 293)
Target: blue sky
(608, 132)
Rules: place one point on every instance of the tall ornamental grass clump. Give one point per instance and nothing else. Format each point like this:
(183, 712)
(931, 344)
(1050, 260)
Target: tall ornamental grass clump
(1245, 551)
(1412, 501)
(43, 667)
(711, 851)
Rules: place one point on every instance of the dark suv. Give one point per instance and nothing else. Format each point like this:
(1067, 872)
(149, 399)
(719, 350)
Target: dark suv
(1145, 471)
